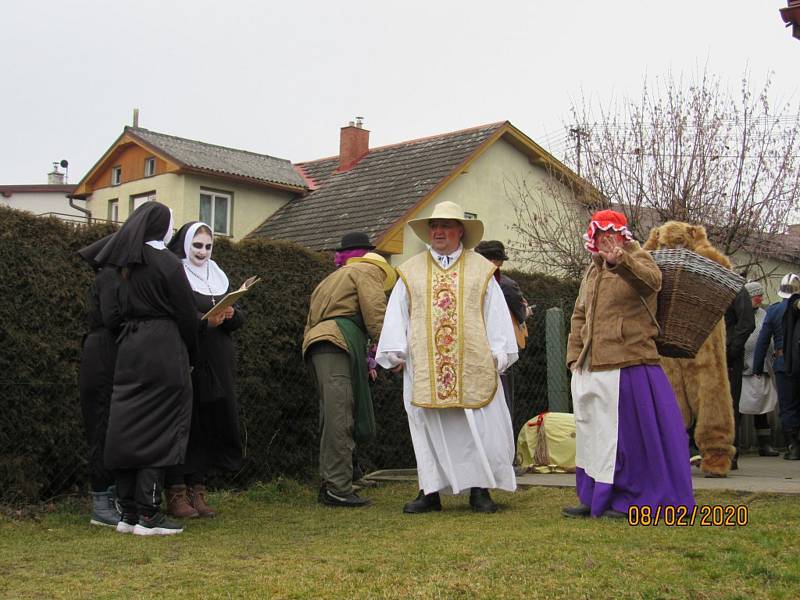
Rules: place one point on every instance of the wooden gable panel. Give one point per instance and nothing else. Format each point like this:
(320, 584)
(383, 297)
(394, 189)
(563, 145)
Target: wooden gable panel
(131, 157)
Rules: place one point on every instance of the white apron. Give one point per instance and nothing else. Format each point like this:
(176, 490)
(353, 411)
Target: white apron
(595, 398)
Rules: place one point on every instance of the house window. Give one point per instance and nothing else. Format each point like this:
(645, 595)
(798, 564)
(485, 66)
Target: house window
(215, 209)
(139, 199)
(149, 167)
(116, 175)
(470, 216)
(113, 210)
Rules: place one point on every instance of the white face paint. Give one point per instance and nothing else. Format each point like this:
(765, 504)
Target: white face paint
(200, 249)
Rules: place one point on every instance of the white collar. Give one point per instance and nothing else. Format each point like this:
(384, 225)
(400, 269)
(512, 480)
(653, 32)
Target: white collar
(208, 280)
(446, 260)
(157, 244)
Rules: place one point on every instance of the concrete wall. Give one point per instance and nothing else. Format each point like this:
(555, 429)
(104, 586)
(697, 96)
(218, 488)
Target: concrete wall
(769, 273)
(250, 205)
(42, 202)
(168, 189)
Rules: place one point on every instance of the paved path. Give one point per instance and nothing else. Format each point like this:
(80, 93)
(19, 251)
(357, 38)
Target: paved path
(755, 474)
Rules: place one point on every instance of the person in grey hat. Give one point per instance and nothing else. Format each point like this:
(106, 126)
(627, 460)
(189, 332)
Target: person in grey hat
(759, 395)
(788, 383)
(495, 252)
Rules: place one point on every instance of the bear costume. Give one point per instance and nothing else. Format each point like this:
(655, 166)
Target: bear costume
(701, 383)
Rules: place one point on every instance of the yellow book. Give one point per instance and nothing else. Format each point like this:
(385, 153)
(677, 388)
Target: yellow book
(232, 297)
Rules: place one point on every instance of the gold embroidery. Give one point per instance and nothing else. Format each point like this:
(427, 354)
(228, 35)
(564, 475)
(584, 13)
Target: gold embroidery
(453, 366)
(446, 331)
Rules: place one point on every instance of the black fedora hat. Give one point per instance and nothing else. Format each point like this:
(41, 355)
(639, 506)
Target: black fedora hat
(353, 240)
(492, 249)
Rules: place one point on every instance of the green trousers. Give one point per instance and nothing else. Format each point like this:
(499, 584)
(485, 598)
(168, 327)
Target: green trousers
(331, 370)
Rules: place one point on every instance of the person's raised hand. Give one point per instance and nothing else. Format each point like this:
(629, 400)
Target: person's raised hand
(610, 248)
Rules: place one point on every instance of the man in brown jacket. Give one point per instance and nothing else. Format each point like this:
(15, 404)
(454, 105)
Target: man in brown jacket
(345, 308)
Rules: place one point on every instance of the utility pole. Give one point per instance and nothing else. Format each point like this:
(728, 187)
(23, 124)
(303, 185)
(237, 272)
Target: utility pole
(579, 134)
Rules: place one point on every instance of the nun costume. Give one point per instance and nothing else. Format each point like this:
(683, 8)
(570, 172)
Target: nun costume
(151, 403)
(214, 440)
(96, 378)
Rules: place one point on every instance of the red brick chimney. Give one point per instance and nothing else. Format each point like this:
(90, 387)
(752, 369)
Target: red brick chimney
(353, 145)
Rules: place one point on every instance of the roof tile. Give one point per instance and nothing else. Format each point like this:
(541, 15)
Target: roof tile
(219, 159)
(373, 195)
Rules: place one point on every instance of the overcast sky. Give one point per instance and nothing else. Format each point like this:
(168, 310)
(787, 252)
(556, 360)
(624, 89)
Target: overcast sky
(281, 78)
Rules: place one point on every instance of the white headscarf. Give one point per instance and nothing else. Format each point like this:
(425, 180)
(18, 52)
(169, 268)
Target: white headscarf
(207, 279)
(162, 244)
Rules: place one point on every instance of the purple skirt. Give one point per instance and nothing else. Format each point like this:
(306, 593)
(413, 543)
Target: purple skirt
(652, 463)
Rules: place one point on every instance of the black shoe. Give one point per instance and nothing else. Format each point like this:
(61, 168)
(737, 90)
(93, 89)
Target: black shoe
(767, 450)
(352, 500)
(576, 511)
(423, 503)
(481, 501)
(794, 452)
(614, 514)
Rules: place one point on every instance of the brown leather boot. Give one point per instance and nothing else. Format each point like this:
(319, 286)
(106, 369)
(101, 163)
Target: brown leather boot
(178, 503)
(197, 496)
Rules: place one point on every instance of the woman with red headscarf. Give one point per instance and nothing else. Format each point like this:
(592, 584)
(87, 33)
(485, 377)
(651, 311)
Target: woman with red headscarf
(631, 446)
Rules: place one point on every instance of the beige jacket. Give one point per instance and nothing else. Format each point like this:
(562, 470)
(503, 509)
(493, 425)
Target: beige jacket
(610, 324)
(352, 289)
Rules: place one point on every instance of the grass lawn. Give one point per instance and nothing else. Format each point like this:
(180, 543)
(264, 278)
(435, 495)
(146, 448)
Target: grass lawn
(275, 541)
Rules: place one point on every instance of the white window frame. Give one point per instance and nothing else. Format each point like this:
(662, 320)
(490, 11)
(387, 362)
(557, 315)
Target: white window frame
(213, 195)
(113, 210)
(139, 199)
(116, 175)
(150, 166)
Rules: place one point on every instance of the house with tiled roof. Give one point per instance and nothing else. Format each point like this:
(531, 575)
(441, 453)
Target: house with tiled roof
(44, 199)
(233, 190)
(378, 190)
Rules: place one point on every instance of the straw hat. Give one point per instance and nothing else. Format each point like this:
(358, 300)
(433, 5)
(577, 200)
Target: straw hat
(378, 261)
(473, 228)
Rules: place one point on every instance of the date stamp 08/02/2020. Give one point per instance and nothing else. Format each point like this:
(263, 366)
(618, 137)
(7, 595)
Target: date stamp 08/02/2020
(704, 515)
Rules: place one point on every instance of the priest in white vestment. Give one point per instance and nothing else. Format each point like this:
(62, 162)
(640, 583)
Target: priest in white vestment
(448, 329)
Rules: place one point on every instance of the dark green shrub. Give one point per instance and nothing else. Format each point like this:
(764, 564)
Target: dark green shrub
(43, 284)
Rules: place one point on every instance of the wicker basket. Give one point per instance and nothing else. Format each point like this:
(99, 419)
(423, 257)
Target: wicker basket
(695, 293)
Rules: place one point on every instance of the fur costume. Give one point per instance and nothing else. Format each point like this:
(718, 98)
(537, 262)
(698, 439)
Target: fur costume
(701, 383)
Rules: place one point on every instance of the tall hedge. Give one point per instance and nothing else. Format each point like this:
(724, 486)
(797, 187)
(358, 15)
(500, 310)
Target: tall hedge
(43, 286)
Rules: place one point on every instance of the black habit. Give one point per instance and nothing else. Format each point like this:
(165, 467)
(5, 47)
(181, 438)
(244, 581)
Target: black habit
(215, 440)
(96, 375)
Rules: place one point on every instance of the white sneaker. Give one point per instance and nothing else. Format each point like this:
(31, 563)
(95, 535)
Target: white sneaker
(158, 524)
(125, 527)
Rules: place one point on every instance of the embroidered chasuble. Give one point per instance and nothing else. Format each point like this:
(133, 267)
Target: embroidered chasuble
(449, 348)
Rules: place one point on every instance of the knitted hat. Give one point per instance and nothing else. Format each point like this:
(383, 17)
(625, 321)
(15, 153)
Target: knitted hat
(606, 220)
(754, 289)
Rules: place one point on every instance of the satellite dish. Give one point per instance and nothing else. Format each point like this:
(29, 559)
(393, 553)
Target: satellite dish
(64, 163)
